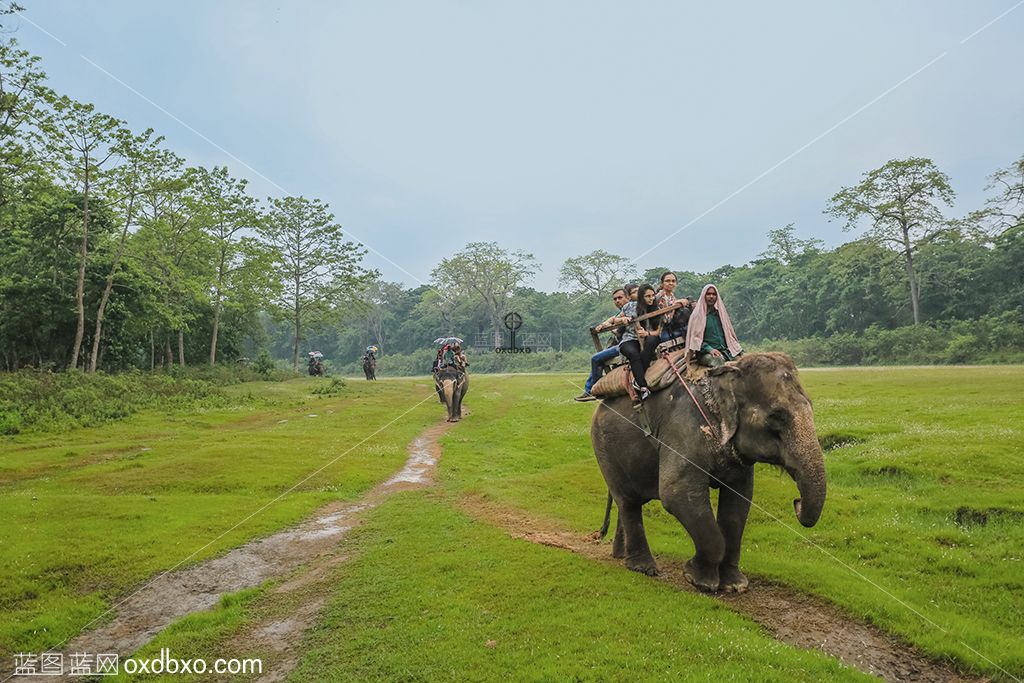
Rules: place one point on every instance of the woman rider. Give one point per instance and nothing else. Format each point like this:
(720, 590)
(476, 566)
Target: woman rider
(674, 323)
(640, 340)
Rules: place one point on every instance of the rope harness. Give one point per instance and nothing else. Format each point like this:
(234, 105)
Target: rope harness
(686, 386)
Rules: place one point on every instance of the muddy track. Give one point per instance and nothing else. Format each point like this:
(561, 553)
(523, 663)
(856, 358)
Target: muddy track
(795, 618)
(302, 556)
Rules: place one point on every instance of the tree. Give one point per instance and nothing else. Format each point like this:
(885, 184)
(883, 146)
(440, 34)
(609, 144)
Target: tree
(378, 300)
(175, 249)
(128, 182)
(785, 247)
(227, 211)
(594, 273)
(488, 273)
(314, 263)
(1005, 210)
(81, 141)
(21, 103)
(899, 200)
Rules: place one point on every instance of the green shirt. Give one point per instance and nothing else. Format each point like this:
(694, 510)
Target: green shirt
(714, 336)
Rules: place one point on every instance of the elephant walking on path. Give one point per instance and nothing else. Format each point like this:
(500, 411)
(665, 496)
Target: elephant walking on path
(758, 412)
(452, 383)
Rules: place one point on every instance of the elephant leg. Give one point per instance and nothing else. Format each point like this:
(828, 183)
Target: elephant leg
(638, 553)
(733, 508)
(619, 540)
(690, 503)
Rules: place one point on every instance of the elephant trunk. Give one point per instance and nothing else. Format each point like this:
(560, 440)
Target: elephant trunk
(806, 464)
(449, 389)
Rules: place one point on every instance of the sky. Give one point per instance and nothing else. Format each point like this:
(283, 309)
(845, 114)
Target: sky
(673, 133)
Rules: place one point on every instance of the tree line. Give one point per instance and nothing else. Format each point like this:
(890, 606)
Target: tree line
(911, 268)
(116, 254)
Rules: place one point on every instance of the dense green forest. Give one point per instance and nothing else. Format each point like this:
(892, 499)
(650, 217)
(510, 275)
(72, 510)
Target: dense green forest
(116, 254)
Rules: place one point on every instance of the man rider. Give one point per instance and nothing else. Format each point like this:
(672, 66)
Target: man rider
(620, 297)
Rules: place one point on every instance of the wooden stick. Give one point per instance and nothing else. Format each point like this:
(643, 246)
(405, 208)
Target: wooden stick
(645, 316)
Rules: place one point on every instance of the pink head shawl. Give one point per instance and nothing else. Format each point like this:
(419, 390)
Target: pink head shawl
(699, 318)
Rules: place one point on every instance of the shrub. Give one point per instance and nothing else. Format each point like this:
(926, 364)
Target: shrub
(38, 400)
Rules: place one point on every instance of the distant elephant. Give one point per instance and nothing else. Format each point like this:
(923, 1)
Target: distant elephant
(370, 367)
(759, 412)
(452, 385)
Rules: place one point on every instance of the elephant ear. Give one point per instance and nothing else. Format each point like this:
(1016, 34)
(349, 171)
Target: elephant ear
(728, 406)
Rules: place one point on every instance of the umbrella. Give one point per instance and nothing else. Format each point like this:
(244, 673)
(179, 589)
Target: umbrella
(372, 349)
(447, 340)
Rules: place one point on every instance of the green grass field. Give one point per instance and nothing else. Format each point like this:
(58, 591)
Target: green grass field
(922, 533)
(91, 513)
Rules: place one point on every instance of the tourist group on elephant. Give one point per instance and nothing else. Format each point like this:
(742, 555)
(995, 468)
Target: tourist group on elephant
(370, 362)
(450, 370)
(686, 411)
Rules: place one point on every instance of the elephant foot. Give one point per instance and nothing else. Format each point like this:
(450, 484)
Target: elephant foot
(702, 579)
(732, 580)
(645, 565)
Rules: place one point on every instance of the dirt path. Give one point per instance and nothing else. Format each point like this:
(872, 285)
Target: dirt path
(795, 618)
(302, 555)
(296, 604)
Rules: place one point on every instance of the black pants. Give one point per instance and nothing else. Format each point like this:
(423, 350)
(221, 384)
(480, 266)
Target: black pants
(639, 359)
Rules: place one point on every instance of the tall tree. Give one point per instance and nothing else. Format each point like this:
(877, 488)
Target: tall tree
(314, 262)
(128, 183)
(81, 141)
(176, 249)
(228, 211)
(784, 246)
(899, 199)
(1005, 209)
(21, 101)
(377, 301)
(485, 271)
(594, 273)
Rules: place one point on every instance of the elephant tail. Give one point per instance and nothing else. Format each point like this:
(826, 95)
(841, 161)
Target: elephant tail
(607, 517)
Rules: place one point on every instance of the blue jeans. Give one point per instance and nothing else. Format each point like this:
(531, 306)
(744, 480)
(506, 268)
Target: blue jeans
(596, 362)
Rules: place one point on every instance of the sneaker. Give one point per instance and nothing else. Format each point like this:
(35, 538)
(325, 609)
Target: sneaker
(585, 396)
(644, 393)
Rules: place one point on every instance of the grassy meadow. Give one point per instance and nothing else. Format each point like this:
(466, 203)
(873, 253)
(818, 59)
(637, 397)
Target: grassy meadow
(90, 513)
(922, 534)
(923, 530)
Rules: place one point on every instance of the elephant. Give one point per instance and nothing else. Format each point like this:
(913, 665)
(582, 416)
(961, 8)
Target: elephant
(452, 384)
(757, 411)
(369, 367)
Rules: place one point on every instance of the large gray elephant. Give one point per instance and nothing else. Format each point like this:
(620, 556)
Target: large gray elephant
(452, 385)
(758, 412)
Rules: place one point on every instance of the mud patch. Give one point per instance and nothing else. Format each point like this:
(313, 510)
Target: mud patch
(794, 618)
(304, 554)
(967, 517)
(836, 440)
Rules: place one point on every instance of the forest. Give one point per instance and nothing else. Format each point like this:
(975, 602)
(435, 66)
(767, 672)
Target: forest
(116, 254)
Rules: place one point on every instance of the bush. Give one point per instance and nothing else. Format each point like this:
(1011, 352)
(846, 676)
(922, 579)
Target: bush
(333, 388)
(264, 365)
(38, 400)
(990, 339)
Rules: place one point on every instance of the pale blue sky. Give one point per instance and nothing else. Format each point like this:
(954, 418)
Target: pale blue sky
(555, 127)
